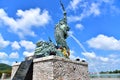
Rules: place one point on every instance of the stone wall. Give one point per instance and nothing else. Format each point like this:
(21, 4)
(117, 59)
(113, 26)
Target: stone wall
(57, 68)
(4, 75)
(14, 69)
(43, 69)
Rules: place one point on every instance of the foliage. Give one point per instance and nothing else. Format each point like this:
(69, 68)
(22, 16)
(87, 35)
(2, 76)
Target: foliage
(110, 72)
(4, 68)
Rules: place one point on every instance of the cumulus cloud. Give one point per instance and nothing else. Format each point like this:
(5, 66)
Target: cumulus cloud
(5, 61)
(27, 53)
(94, 9)
(100, 63)
(72, 55)
(89, 54)
(114, 55)
(14, 55)
(26, 20)
(79, 26)
(104, 59)
(28, 45)
(3, 43)
(74, 4)
(93, 56)
(104, 42)
(3, 55)
(90, 8)
(15, 45)
(87, 8)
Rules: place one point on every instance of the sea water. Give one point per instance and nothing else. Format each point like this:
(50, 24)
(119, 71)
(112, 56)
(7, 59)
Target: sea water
(105, 75)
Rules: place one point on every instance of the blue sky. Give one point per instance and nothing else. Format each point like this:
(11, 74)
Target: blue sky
(94, 25)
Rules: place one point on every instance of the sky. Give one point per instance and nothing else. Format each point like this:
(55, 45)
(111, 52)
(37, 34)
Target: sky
(94, 28)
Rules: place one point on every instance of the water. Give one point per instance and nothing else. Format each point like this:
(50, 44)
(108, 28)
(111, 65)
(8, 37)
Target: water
(105, 75)
(78, 43)
(84, 50)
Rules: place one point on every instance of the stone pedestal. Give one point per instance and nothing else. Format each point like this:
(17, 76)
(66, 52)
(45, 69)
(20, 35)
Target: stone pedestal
(3, 76)
(14, 69)
(57, 68)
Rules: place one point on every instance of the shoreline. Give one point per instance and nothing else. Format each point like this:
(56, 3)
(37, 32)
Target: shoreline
(104, 78)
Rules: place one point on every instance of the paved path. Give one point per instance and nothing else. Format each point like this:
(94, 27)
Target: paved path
(105, 79)
(94, 79)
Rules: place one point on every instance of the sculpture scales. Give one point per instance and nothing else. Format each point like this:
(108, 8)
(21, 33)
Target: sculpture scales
(61, 33)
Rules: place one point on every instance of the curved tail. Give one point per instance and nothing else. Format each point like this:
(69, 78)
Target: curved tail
(62, 5)
(64, 12)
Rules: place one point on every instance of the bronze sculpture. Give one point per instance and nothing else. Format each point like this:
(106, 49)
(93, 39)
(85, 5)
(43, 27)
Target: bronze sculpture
(61, 33)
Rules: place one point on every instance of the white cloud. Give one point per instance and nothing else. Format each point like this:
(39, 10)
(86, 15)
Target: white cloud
(3, 43)
(27, 53)
(70, 32)
(14, 55)
(5, 61)
(15, 45)
(100, 63)
(94, 9)
(74, 4)
(79, 26)
(72, 55)
(75, 18)
(83, 9)
(14, 63)
(114, 55)
(89, 54)
(104, 42)
(28, 45)
(3, 55)
(93, 56)
(25, 21)
(104, 59)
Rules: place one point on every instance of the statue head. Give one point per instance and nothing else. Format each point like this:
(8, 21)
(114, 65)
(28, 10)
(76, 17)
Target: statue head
(63, 25)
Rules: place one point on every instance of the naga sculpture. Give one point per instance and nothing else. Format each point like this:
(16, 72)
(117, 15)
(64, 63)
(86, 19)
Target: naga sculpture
(61, 49)
(61, 31)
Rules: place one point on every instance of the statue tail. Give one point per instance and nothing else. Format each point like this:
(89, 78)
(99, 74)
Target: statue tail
(62, 5)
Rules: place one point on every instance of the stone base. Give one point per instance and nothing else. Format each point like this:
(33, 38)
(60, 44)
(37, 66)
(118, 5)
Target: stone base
(57, 68)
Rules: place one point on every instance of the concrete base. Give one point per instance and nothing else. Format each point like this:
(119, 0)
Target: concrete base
(57, 68)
